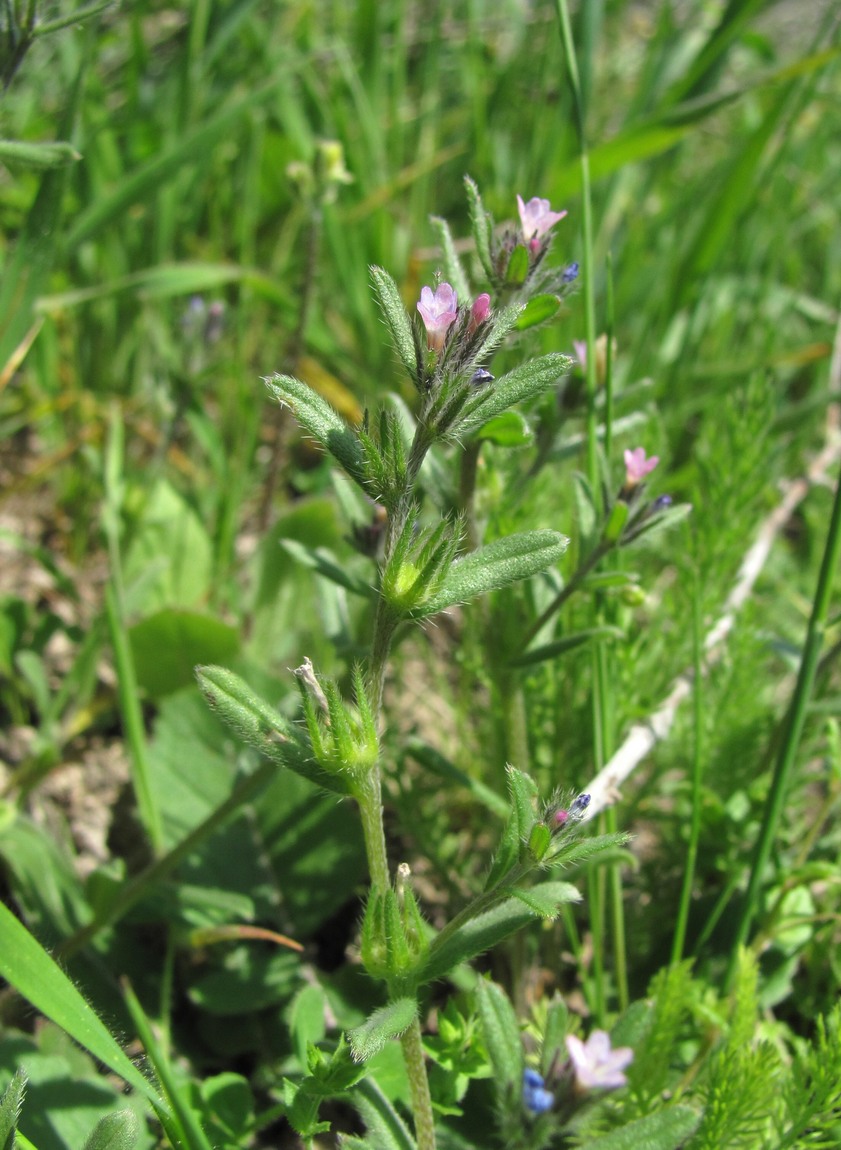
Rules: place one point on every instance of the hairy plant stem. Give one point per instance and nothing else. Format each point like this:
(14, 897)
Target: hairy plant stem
(413, 1055)
(370, 797)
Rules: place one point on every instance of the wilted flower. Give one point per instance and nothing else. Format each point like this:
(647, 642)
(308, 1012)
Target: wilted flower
(596, 1065)
(535, 1097)
(537, 219)
(438, 311)
(479, 312)
(637, 466)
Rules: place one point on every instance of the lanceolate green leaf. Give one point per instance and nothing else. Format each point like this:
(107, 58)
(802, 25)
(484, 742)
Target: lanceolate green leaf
(518, 386)
(497, 565)
(666, 1130)
(488, 929)
(395, 316)
(10, 1105)
(317, 417)
(114, 1132)
(453, 271)
(262, 726)
(383, 1025)
(502, 1034)
(36, 977)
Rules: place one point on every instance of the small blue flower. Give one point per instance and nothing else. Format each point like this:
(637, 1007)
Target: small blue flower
(662, 502)
(579, 806)
(535, 1097)
(570, 274)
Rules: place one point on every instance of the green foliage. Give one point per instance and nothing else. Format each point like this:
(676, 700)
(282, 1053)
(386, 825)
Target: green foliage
(151, 498)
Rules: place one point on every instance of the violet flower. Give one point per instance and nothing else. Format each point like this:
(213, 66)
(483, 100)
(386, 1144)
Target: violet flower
(438, 311)
(537, 220)
(596, 1065)
(637, 466)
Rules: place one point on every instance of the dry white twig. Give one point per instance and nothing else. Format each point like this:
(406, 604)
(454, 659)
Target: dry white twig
(604, 789)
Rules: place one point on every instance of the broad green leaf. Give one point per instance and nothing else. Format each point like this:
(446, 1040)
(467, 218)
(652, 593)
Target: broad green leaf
(384, 1024)
(668, 1129)
(319, 419)
(539, 309)
(394, 314)
(502, 1037)
(10, 1105)
(168, 645)
(55, 155)
(169, 561)
(500, 563)
(523, 383)
(486, 930)
(114, 1132)
(230, 1102)
(261, 725)
(507, 430)
(32, 972)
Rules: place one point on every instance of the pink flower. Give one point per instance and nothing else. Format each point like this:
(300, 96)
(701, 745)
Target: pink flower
(438, 311)
(479, 312)
(596, 1065)
(537, 219)
(579, 346)
(637, 466)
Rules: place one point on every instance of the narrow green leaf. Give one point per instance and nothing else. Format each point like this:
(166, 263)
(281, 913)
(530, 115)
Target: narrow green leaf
(543, 899)
(486, 930)
(32, 972)
(518, 386)
(453, 271)
(395, 317)
(668, 1129)
(502, 1036)
(323, 562)
(518, 266)
(568, 643)
(260, 725)
(55, 155)
(539, 309)
(10, 1106)
(175, 1088)
(523, 791)
(318, 418)
(384, 1128)
(481, 227)
(384, 1024)
(497, 565)
(116, 1131)
(148, 179)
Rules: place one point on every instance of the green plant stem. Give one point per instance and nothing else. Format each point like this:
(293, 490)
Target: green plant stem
(370, 804)
(679, 940)
(596, 555)
(412, 1045)
(793, 728)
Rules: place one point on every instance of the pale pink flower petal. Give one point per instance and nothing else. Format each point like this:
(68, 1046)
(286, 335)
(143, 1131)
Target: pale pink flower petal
(637, 466)
(537, 218)
(579, 346)
(438, 311)
(596, 1065)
